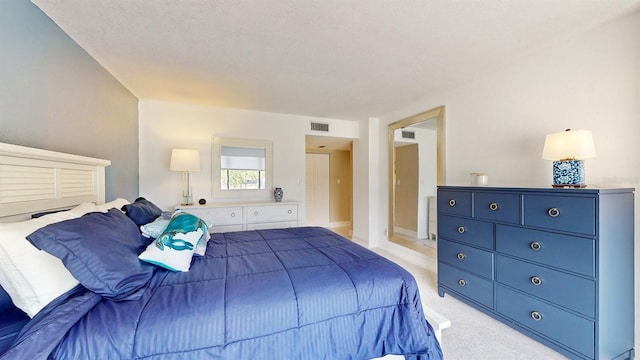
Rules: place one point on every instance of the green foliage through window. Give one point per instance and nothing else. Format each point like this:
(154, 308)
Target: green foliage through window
(233, 179)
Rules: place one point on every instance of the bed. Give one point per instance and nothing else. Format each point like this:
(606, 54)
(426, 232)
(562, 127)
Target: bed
(294, 293)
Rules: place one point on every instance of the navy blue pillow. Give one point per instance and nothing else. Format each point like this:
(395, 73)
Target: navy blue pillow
(142, 211)
(5, 301)
(101, 251)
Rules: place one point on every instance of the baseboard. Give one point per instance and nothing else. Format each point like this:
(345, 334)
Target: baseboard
(360, 241)
(405, 232)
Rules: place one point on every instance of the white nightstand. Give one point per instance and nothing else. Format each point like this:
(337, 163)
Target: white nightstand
(238, 216)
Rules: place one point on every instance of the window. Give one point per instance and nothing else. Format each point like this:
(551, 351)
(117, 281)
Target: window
(242, 168)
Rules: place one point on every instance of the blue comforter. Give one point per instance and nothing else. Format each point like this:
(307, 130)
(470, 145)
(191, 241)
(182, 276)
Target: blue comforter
(297, 293)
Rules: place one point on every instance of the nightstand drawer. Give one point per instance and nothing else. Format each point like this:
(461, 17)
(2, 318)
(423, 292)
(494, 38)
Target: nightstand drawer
(271, 225)
(565, 213)
(454, 202)
(473, 232)
(217, 216)
(571, 330)
(497, 207)
(226, 228)
(571, 253)
(566, 290)
(469, 285)
(268, 213)
(474, 260)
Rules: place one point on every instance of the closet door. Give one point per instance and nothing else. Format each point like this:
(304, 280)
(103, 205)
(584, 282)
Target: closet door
(317, 190)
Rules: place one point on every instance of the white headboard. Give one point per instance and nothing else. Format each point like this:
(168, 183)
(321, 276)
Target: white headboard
(34, 180)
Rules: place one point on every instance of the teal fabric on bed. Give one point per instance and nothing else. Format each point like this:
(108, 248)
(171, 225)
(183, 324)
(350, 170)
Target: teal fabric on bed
(175, 247)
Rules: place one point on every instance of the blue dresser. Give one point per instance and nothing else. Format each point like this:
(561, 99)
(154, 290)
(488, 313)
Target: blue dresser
(555, 264)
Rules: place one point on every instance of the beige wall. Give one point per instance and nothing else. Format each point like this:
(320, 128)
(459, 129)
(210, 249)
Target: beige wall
(340, 186)
(406, 199)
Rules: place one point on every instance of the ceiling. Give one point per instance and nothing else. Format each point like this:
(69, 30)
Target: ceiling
(344, 59)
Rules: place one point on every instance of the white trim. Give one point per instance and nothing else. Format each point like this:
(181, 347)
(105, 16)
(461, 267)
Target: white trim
(241, 194)
(33, 180)
(18, 151)
(405, 232)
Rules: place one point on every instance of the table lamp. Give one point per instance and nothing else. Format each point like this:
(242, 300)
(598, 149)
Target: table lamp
(568, 149)
(185, 160)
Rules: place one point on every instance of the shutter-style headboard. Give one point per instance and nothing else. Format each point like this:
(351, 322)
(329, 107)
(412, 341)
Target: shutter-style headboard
(35, 180)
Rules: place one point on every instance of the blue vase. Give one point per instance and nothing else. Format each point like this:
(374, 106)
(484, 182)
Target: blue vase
(278, 194)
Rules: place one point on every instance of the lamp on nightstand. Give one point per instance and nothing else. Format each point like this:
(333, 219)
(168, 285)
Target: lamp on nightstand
(185, 160)
(568, 149)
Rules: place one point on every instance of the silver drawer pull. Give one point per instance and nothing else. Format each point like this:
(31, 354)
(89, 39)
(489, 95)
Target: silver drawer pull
(553, 212)
(233, 214)
(461, 229)
(536, 316)
(255, 213)
(460, 256)
(493, 206)
(462, 282)
(535, 246)
(290, 211)
(536, 280)
(452, 202)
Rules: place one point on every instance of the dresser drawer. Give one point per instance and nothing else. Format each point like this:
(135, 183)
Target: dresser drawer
(469, 285)
(467, 258)
(272, 225)
(473, 232)
(497, 207)
(226, 228)
(571, 253)
(566, 290)
(270, 213)
(565, 213)
(454, 202)
(570, 330)
(217, 216)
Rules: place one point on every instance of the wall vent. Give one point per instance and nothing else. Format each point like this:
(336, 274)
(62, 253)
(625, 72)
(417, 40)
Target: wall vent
(319, 126)
(408, 135)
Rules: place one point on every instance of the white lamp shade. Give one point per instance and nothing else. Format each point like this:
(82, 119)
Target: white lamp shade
(185, 160)
(570, 144)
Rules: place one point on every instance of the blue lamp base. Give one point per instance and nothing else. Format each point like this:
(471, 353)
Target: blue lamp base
(568, 173)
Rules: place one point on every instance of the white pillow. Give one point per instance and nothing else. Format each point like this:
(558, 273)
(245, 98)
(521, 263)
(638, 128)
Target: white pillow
(32, 277)
(117, 203)
(174, 248)
(155, 228)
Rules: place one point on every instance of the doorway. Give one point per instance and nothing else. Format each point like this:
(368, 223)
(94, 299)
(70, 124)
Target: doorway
(328, 183)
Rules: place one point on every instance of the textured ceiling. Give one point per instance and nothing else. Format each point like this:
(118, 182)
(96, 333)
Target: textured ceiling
(346, 59)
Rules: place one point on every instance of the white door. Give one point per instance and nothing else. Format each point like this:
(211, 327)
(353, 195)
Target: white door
(317, 189)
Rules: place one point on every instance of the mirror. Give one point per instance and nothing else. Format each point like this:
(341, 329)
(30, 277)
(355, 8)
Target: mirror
(416, 167)
(242, 168)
